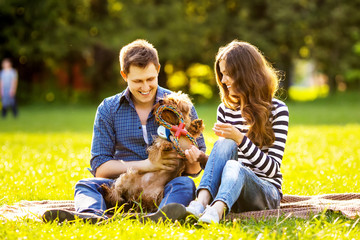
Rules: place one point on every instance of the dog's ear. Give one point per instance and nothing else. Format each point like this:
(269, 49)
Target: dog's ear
(184, 107)
(183, 102)
(157, 105)
(159, 145)
(196, 127)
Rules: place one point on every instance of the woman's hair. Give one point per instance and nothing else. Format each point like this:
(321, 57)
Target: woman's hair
(138, 53)
(255, 84)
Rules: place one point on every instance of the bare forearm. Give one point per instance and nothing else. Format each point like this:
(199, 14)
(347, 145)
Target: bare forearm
(197, 166)
(113, 168)
(192, 168)
(14, 87)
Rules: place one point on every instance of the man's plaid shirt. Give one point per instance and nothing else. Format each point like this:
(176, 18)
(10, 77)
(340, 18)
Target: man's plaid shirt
(118, 133)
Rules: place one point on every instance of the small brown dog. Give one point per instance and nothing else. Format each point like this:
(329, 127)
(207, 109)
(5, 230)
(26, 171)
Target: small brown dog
(147, 187)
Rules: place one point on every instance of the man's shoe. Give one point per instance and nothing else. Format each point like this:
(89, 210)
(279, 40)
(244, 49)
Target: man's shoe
(60, 216)
(171, 212)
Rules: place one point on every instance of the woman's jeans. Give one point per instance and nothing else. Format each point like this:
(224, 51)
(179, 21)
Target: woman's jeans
(237, 186)
(89, 198)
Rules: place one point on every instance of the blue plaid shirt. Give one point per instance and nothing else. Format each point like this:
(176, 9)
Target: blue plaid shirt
(118, 132)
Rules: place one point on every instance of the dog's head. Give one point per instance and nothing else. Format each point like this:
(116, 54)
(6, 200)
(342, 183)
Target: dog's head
(181, 102)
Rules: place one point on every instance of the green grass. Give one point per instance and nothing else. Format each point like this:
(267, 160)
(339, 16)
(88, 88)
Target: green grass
(46, 151)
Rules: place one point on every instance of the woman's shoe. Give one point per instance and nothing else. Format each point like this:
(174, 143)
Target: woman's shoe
(195, 208)
(210, 216)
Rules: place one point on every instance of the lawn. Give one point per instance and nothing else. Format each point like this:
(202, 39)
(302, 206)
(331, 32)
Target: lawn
(46, 151)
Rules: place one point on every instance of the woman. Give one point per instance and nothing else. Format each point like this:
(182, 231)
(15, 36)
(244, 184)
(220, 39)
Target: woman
(243, 170)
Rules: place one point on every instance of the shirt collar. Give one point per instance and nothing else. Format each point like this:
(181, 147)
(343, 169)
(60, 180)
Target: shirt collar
(126, 95)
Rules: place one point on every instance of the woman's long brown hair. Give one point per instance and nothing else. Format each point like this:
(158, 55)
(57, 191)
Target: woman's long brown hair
(255, 84)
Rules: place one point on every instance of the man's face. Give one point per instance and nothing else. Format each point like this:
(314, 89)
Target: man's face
(142, 83)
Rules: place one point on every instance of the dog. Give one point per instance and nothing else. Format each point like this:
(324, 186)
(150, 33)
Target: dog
(147, 188)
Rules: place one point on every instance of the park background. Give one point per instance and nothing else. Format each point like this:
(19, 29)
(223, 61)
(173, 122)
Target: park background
(66, 54)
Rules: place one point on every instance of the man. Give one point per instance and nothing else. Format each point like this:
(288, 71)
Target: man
(123, 129)
(8, 86)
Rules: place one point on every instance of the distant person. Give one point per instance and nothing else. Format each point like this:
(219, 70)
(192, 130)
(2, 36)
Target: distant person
(243, 169)
(8, 87)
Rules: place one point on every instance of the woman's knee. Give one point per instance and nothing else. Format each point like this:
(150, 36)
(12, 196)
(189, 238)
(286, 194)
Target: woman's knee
(225, 142)
(232, 164)
(235, 169)
(226, 146)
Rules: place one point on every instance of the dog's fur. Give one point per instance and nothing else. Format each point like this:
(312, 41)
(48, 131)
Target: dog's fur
(147, 187)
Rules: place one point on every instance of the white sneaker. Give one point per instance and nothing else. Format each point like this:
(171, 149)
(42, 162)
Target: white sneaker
(195, 208)
(210, 215)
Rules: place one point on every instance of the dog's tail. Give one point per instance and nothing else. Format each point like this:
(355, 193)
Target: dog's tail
(111, 196)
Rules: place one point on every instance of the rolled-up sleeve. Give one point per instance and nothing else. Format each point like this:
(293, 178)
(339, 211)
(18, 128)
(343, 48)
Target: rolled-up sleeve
(103, 141)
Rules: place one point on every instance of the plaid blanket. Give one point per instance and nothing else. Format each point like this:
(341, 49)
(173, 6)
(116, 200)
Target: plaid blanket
(347, 204)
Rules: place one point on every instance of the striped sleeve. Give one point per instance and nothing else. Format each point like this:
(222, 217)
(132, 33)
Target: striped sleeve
(221, 114)
(269, 164)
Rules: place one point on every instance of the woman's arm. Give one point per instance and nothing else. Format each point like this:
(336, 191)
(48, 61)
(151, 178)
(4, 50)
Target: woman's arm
(269, 163)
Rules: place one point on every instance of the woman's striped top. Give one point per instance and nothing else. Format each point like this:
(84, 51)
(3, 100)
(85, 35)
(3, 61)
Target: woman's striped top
(264, 162)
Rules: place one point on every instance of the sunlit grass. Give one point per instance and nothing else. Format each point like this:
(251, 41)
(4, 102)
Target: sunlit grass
(46, 151)
(299, 93)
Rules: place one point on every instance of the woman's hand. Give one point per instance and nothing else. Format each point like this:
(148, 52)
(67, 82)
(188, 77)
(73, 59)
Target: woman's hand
(229, 131)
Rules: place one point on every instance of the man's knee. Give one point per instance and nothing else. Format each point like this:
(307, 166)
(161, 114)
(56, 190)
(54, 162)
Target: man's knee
(83, 182)
(92, 182)
(183, 183)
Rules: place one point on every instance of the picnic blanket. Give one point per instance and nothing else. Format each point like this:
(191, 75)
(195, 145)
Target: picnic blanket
(347, 204)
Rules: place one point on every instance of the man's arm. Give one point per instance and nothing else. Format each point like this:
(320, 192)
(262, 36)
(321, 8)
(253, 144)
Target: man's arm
(113, 168)
(103, 163)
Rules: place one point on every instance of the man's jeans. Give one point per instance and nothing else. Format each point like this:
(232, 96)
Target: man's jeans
(89, 198)
(237, 186)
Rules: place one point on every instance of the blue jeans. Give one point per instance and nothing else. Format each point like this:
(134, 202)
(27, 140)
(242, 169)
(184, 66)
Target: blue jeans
(237, 186)
(89, 198)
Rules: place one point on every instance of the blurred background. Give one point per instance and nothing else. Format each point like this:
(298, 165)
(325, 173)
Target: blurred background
(66, 54)
(67, 51)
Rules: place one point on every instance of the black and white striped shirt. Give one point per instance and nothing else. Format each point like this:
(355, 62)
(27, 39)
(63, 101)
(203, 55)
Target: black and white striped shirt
(264, 162)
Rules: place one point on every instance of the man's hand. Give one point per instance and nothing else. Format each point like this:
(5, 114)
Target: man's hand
(229, 131)
(169, 161)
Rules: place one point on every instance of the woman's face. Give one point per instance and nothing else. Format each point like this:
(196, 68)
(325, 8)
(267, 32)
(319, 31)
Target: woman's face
(226, 79)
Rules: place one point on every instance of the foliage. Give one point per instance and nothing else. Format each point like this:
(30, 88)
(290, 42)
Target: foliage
(53, 38)
(46, 151)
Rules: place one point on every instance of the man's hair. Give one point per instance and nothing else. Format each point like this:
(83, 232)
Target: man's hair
(7, 60)
(138, 53)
